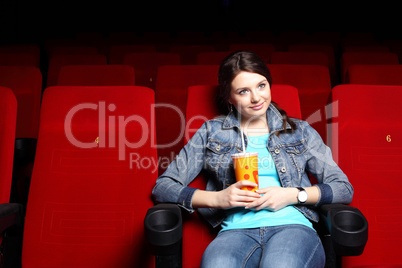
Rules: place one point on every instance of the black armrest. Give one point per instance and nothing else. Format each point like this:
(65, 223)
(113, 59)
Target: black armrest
(348, 228)
(11, 229)
(11, 214)
(163, 232)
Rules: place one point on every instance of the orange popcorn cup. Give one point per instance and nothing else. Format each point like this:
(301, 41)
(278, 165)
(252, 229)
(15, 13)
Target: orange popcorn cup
(246, 168)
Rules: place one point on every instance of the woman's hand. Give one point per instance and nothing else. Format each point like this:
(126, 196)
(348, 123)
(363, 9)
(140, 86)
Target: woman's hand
(233, 196)
(274, 198)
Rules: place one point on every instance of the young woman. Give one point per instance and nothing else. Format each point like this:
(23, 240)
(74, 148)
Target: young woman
(271, 227)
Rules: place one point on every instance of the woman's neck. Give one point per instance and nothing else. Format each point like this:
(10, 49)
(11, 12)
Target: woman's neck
(255, 128)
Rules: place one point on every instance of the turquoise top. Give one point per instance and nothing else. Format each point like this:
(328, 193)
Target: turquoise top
(240, 218)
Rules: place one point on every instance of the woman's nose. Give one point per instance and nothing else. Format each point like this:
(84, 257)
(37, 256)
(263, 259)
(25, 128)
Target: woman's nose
(255, 97)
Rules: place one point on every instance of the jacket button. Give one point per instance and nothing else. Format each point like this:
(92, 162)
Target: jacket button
(277, 151)
(283, 170)
(218, 148)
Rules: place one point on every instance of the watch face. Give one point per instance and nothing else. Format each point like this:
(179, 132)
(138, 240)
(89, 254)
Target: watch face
(302, 196)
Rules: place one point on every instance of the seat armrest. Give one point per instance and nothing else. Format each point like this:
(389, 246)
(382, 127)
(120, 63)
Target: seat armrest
(347, 227)
(163, 233)
(163, 228)
(11, 230)
(11, 214)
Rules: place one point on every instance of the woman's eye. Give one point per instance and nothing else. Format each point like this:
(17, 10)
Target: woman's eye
(260, 86)
(243, 91)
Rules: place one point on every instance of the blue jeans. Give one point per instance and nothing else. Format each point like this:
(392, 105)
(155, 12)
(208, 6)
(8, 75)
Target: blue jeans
(278, 246)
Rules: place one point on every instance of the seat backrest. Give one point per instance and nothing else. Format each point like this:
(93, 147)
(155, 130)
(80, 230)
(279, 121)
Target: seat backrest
(367, 145)
(94, 171)
(170, 97)
(32, 49)
(367, 74)
(57, 61)
(8, 119)
(26, 83)
(314, 85)
(201, 106)
(188, 53)
(71, 49)
(263, 50)
(350, 58)
(327, 49)
(368, 48)
(25, 59)
(96, 75)
(215, 58)
(300, 57)
(146, 65)
(117, 52)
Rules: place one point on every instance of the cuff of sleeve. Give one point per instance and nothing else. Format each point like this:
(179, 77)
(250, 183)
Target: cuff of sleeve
(326, 194)
(186, 197)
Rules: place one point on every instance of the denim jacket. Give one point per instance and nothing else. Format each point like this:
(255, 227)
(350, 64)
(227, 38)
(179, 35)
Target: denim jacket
(294, 155)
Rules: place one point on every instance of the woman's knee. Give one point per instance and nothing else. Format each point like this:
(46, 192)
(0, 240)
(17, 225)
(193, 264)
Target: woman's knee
(294, 246)
(233, 249)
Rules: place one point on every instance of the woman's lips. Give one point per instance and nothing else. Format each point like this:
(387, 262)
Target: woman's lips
(257, 107)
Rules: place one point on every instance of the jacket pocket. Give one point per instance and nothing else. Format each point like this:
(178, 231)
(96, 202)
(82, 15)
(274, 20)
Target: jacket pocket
(217, 147)
(218, 161)
(296, 148)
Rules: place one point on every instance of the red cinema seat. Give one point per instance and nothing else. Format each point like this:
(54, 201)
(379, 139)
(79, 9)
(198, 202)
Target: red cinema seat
(32, 49)
(362, 48)
(117, 52)
(8, 119)
(368, 74)
(57, 61)
(314, 85)
(201, 107)
(146, 65)
(26, 83)
(263, 50)
(96, 75)
(214, 58)
(350, 58)
(25, 59)
(170, 97)
(91, 185)
(300, 57)
(188, 53)
(66, 49)
(367, 143)
(327, 49)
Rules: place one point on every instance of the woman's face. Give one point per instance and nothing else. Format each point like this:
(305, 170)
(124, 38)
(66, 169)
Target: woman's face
(251, 95)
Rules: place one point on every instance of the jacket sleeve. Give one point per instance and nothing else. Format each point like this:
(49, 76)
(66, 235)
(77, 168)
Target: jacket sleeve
(172, 185)
(333, 183)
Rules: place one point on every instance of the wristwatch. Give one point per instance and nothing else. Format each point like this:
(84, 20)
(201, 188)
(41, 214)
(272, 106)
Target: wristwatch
(302, 195)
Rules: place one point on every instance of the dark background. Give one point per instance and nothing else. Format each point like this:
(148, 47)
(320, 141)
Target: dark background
(34, 21)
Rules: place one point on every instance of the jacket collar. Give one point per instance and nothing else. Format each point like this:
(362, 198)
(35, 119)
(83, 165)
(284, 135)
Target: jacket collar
(275, 120)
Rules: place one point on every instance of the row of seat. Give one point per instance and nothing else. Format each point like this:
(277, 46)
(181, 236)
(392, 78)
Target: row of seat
(196, 54)
(26, 83)
(96, 163)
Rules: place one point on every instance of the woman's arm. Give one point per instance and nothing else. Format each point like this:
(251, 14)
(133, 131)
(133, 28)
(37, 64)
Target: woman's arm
(273, 198)
(333, 184)
(172, 185)
(276, 198)
(230, 197)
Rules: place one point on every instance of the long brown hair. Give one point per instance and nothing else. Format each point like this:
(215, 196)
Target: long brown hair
(245, 61)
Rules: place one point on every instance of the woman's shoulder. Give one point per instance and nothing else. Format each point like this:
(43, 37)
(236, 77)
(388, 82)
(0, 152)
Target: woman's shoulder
(304, 128)
(216, 121)
(299, 122)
